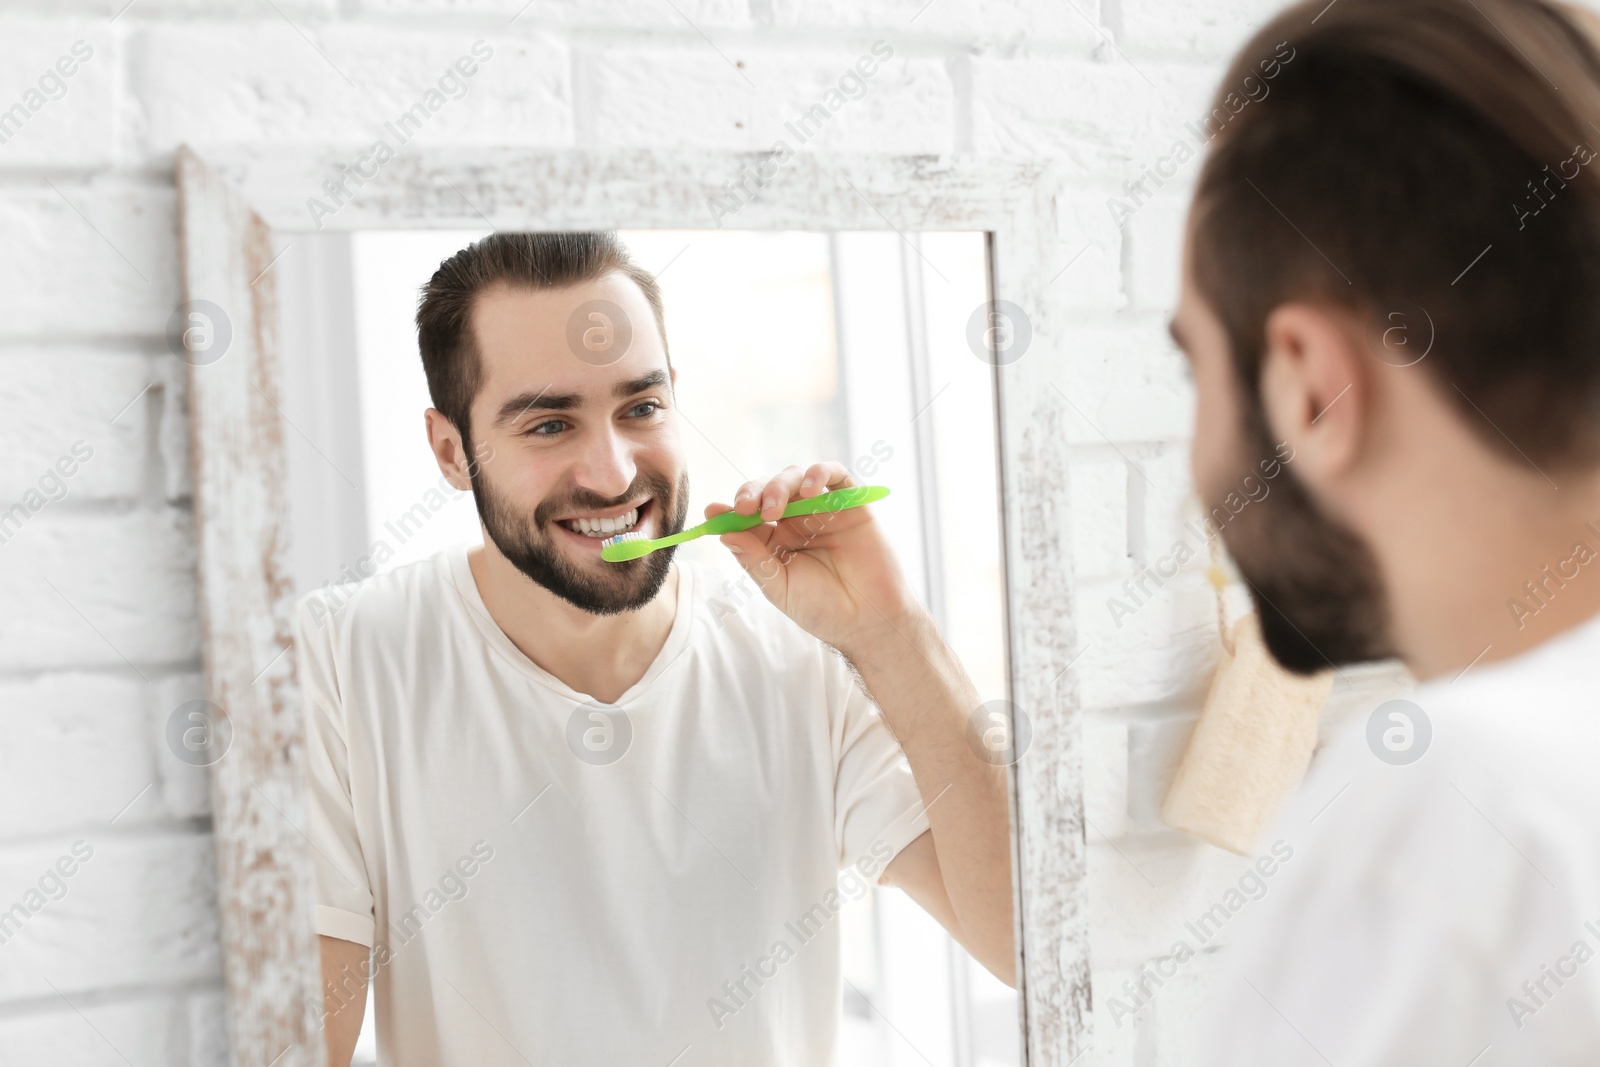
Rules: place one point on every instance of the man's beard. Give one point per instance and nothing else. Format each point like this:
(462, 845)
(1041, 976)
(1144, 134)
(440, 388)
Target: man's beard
(528, 543)
(1315, 584)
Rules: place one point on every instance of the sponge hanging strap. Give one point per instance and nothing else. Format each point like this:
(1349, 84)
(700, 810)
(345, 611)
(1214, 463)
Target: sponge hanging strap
(1219, 581)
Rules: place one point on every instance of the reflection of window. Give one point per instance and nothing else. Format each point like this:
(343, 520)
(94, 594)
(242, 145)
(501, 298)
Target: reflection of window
(789, 347)
(914, 388)
(750, 329)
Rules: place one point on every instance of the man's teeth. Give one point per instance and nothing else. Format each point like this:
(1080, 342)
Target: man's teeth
(604, 527)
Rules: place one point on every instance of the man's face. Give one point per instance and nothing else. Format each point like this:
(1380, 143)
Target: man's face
(584, 439)
(1314, 583)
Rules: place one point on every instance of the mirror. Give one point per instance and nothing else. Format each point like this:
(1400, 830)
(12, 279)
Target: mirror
(913, 296)
(789, 347)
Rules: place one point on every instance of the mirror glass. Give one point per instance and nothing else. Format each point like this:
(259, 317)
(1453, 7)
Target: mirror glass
(790, 347)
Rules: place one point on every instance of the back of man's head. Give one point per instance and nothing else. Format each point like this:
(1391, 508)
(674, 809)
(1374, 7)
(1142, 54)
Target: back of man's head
(1431, 163)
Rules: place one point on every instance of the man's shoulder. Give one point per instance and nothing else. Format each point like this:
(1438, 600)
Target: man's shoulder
(1464, 774)
(1439, 850)
(1529, 719)
(400, 599)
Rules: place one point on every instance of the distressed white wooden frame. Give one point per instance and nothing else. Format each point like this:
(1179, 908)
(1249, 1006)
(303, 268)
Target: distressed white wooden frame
(232, 200)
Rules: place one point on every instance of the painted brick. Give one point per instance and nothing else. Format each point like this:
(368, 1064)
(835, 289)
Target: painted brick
(1170, 504)
(1147, 889)
(72, 1031)
(1075, 26)
(1164, 649)
(172, 440)
(1161, 1030)
(689, 15)
(182, 790)
(86, 748)
(1175, 1010)
(79, 750)
(61, 396)
(1124, 381)
(746, 98)
(1155, 748)
(1155, 242)
(134, 12)
(1090, 281)
(123, 591)
(97, 258)
(1099, 495)
(1112, 1046)
(340, 84)
(1105, 776)
(208, 1030)
(140, 909)
(1096, 118)
(49, 117)
(1142, 890)
(1192, 28)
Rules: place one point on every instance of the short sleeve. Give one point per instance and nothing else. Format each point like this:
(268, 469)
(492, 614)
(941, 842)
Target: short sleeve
(343, 891)
(877, 808)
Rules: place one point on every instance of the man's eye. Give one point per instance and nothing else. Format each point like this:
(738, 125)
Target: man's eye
(541, 429)
(650, 404)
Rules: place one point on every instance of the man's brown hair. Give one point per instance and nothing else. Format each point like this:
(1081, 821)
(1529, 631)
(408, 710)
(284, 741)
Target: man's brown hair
(521, 260)
(1433, 160)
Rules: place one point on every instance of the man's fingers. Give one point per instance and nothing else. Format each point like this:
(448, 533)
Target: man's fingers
(751, 549)
(769, 496)
(795, 483)
(821, 477)
(779, 491)
(747, 499)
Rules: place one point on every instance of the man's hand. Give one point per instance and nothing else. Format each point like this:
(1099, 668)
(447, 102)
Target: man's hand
(833, 573)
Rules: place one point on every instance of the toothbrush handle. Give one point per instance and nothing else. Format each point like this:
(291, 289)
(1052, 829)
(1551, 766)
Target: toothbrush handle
(727, 522)
(837, 500)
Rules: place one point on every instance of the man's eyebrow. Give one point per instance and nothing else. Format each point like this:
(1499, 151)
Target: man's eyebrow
(640, 384)
(544, 400)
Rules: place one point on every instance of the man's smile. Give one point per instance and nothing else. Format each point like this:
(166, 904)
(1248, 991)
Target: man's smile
(608, 522)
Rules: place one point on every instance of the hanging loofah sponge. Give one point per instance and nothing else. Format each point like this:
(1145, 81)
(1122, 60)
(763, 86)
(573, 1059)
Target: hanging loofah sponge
(1252, 742)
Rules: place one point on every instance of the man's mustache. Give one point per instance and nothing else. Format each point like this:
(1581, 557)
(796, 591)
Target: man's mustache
(655, 487)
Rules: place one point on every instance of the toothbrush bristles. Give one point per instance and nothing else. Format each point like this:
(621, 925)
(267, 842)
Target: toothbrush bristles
(631, 535)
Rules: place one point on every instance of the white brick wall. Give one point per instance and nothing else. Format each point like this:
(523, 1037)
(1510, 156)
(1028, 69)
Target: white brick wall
(98, 643)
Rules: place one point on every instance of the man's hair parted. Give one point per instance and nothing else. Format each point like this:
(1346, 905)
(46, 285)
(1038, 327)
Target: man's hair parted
(450, 357)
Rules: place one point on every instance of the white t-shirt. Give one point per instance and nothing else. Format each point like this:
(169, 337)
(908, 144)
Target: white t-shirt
(1420, 897)
(551, 883)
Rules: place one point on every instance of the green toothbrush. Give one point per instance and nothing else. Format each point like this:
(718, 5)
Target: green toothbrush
(632, 545)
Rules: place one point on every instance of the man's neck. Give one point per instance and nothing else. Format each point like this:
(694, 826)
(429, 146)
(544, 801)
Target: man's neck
(1461, 558)
(598, 655)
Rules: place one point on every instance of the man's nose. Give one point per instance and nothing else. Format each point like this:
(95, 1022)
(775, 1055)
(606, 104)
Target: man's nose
(607, 468)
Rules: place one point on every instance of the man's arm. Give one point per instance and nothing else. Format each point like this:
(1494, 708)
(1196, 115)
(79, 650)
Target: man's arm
(835, 574)
(344, 996)
(959, 872)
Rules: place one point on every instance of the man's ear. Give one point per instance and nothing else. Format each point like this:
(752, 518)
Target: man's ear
(1316, 388)
(448, 450)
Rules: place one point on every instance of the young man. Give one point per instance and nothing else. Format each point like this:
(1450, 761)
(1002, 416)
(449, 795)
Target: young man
(574, 814)
(1392, 265)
